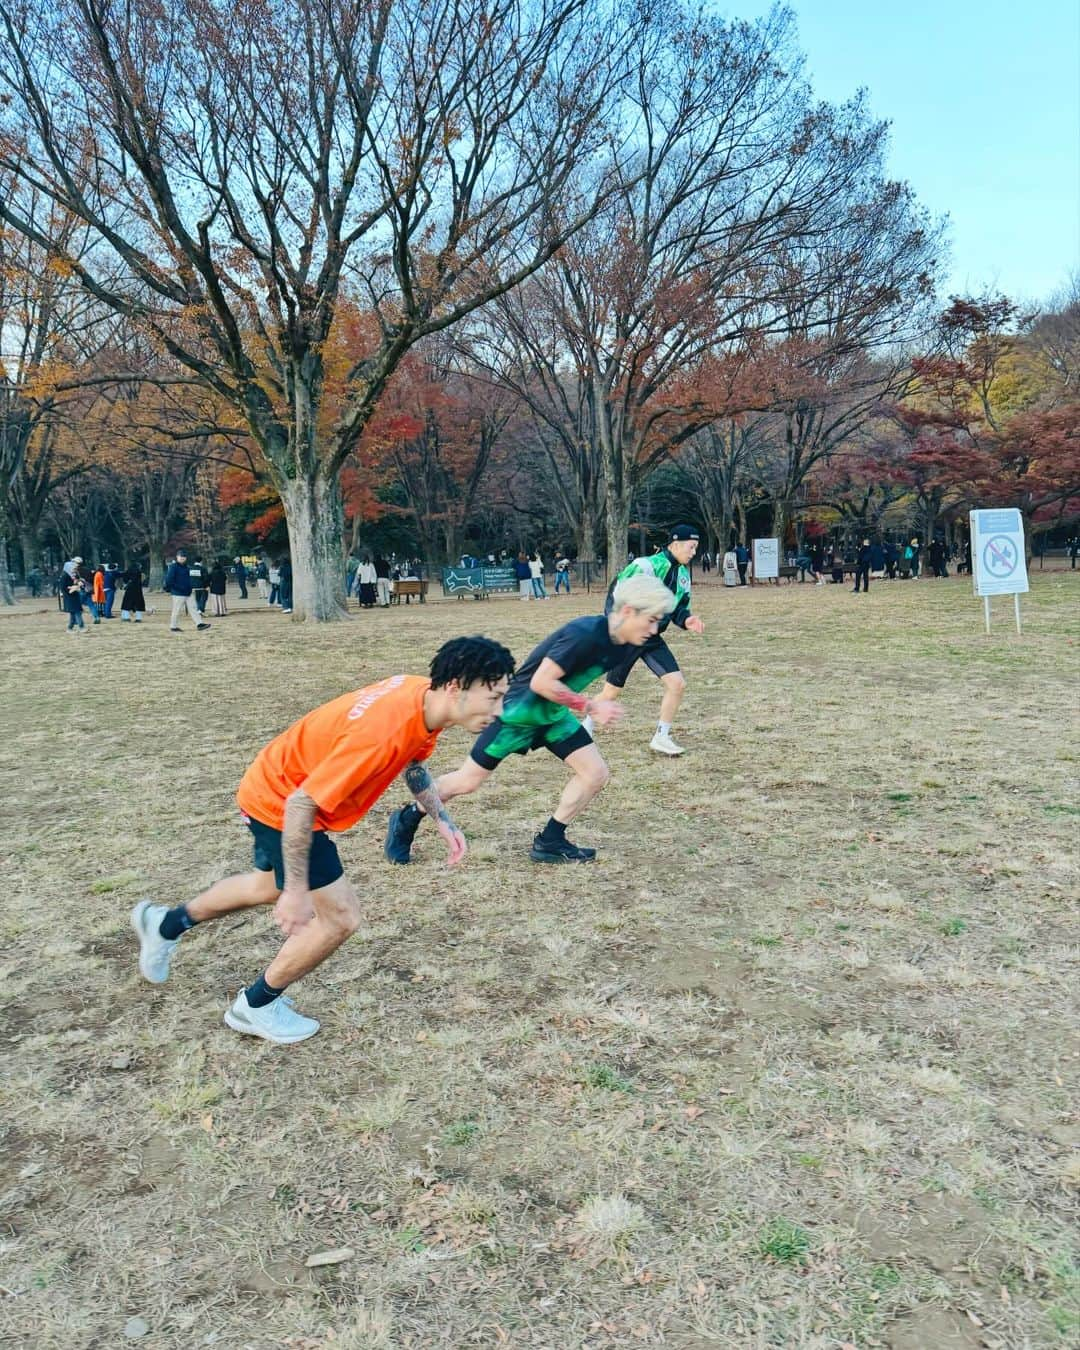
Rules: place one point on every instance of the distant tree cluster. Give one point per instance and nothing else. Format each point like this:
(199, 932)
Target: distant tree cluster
(444, 276)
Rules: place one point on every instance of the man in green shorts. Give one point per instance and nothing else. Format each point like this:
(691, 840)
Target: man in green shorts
(538, 712)
(671, 566)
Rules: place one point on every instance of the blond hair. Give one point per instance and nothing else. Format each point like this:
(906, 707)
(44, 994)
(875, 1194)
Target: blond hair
(643, 592)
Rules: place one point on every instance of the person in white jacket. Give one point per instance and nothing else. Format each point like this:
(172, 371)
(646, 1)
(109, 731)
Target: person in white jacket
(366, 584)
(536, 571)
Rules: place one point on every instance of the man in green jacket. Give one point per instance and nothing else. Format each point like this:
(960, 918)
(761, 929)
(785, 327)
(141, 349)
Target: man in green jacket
(671, 565)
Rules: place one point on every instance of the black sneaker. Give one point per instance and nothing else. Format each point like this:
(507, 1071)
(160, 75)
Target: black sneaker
(560, 851)
(400, 833)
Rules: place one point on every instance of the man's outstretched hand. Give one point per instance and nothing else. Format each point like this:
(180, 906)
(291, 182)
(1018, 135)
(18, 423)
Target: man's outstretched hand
(455, 842)
(605, 712)
(694, 624)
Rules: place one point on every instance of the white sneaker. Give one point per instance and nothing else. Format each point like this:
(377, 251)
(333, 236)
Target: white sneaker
(277, 1021)
(664, 745)
(587, 724)
(155, 952)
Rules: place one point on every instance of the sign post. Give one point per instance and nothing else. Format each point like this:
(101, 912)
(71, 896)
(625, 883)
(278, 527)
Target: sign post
(766, 559)
(997, 558)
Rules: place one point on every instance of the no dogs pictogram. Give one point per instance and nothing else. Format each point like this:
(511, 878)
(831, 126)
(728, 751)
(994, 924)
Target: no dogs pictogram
(1000, 556)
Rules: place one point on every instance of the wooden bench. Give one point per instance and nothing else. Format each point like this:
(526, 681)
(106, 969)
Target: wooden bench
(408, 589)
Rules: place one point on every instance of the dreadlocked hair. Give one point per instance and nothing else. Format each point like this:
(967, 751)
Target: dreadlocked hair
(470, 660)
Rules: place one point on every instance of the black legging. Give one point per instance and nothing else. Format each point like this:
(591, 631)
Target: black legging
(862, 573)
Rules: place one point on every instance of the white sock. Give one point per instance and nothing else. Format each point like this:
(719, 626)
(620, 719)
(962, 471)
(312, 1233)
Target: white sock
(663, 728)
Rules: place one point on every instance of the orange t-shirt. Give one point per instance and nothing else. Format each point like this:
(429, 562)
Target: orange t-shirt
(344, 754)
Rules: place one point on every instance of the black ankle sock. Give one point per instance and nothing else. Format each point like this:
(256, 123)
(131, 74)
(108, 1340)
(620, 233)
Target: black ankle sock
(174, 923)
(260, 993)
(554, 832)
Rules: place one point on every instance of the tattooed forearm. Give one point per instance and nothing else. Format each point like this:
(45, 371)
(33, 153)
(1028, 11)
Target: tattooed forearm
(296, 839)
(423, 788)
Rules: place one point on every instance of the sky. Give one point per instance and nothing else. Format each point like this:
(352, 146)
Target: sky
(984, 101)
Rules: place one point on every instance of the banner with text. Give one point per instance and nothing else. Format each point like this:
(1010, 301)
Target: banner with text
(478, 580)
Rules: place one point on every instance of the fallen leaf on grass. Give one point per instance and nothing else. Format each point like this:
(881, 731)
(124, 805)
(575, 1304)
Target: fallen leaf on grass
(333, 1257)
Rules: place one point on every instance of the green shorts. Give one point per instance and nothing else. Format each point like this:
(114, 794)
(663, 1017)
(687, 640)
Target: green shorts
(562, 737)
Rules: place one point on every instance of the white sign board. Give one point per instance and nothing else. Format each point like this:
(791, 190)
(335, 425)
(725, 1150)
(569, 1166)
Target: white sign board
(766, 559)
(998, 566)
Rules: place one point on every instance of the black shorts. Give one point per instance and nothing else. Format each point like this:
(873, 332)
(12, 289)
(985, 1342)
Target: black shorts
(324, 865)
(562, 737)
(656, 654)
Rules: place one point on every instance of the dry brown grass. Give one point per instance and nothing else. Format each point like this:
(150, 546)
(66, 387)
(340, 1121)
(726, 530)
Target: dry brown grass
(793, 1065)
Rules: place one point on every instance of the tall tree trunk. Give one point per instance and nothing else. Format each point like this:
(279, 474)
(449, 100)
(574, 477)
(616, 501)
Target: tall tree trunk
(30, 544)
(451, 544)
(1027, 520)
(781, 514)
(156, 578)
(7, 593)
(929, 526)
(618, 530)
(315, 515)
(586, 532)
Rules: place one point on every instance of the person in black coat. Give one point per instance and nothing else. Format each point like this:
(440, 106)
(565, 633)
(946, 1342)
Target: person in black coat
(285, 592)
(240, 572)
(132, 603)
(200, 583)
(862, 568)
(218, 579)
(72, 592)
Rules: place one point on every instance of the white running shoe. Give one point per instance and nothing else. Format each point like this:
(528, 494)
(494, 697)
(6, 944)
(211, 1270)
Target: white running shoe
(664, 745)
(155, 952)
(587, 724)
(277, 1021)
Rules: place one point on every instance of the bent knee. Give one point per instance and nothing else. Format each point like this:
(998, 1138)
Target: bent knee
(342, 920)
(675, 681)
(595, 779)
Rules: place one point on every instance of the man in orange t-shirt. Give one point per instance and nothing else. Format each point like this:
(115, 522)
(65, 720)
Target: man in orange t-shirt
(321, 776)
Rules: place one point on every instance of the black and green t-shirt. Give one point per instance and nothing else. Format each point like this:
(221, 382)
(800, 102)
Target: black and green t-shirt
(582, 649)
(675, 576)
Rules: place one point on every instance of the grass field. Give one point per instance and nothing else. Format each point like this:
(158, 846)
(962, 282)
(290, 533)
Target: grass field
(794, 1064)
